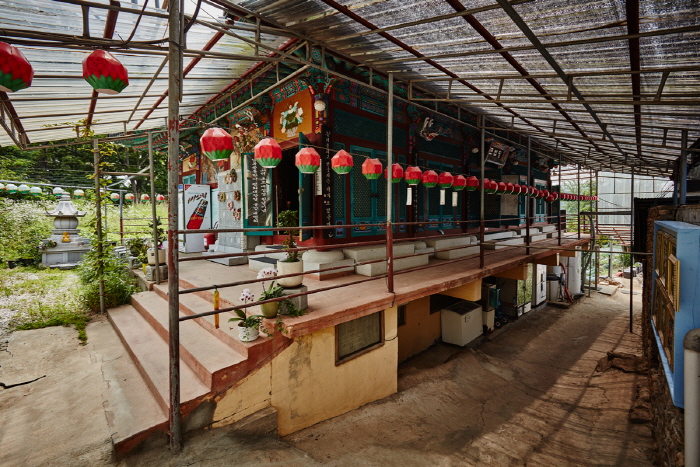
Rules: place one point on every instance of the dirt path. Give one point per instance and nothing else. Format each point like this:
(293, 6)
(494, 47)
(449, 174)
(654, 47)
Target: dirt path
(527, 397)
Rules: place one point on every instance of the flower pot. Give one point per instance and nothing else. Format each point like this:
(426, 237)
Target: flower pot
(247, 334)
(143, 267)
(152, 256)
(297, 267)
(269, 310)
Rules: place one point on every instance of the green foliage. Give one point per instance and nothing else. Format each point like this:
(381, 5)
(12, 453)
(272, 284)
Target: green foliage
(292, 310)
(273, 291)
(161, 231)
(24, 225)
(252, 321)
(588, 188)
(289, 219)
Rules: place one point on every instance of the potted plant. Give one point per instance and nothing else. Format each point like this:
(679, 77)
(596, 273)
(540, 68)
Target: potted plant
(159, 248)
(143, 258)
(291, 264)
(134, 245)
(248, 326)
(269, 310)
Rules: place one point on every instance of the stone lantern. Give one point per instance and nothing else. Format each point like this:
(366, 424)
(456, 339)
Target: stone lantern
(69, 246)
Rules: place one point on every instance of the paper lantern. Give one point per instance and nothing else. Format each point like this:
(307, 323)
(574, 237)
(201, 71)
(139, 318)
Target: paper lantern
(15, 71)
(501, 189)
(472, 183)
(57, 192)
(79, 194)
(11, 188)
(3, 187)
(342, 162)
(532, 191)
(494, 186)
(114, 196)
(308, 161)
(396, 173)
(555, 194)
(517, 189)
(549, 199)
(510, 188)
(413, 175)
(486, 185)
(160, 199)
(23, 189)
(129, 196)
(145, 197)
(372, 169)
(105, 73)
(268, 153)
(459, 183)
(430, 178)
(35, 191)
(445, 180)
(216, 144)
(544, 194)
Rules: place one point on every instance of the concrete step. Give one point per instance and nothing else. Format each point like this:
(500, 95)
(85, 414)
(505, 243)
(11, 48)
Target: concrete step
(375, 269)
(256, 263)
(372, 252)
(537, 238)
(271, 251)
(506, 243)
(548, 228)
(441, 243)
(212, 360)
(491, 237)
(458, 253)
(150, 354)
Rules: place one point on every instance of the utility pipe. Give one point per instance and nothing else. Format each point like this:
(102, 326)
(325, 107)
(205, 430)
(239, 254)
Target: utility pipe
(691, 397)
(389, 186)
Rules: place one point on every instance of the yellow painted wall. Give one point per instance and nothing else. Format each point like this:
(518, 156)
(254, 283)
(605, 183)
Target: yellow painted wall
(421, 328)
(470, 291)
(306, 387)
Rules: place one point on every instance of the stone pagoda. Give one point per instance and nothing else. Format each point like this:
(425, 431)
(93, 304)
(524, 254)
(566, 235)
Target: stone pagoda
(70, 246)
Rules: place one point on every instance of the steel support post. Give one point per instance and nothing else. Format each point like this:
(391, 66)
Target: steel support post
(482, 150)
(389, 187)
(684, 166)
(98, 222)
(578, 201)
(121, 217)
(630, 248)
(174, 93)
(528, 198)
(559, 206)
(153, 206)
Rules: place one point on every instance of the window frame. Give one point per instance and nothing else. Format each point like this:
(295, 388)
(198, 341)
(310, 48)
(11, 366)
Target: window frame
(339, 361)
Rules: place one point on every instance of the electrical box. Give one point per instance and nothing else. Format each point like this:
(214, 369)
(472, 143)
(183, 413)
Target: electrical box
(461, 322)
(675, 282)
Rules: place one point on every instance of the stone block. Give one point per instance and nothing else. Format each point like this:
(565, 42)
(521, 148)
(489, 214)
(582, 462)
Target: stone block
(459, 253)
(375, 269)
(372, 252)
(309, 266)
(132, 262)
(548, 228)
(506, 243)
(441, 243)
(490, 237)
(537, 238)
(151, 273)
(301, 302)
(233, 261)
(272, 251)
(261, 262)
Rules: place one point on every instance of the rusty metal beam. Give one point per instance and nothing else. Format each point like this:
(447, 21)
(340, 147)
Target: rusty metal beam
(632, 11)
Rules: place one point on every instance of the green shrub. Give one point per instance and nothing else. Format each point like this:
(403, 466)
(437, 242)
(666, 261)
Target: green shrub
(23, 225)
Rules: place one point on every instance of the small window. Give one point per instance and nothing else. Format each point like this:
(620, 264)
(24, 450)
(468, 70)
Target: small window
(358, 336)
(401, 315)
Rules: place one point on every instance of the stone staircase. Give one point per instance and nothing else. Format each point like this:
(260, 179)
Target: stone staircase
(212, 360)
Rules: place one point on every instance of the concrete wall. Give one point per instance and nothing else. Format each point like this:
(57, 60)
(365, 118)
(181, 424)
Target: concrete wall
(420, 331)
(305, 386)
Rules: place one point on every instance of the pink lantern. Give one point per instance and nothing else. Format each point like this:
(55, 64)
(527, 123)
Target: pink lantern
(445, 180)
(372, 169)
(16, 72)
(216, 144)
(430, 178)
(459, 183)
(105, 73)
(396, 173)
(472, 183)
(413, 175)
(160, 199)
(308, 161)
(268, 153)
(145, 197)
(342, 162)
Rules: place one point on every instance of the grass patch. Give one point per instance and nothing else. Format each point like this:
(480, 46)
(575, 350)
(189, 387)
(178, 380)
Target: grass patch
(35, 298)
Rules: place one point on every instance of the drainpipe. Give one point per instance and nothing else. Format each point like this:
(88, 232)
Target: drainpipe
(482, 150)
(389, 187)
(691, 388)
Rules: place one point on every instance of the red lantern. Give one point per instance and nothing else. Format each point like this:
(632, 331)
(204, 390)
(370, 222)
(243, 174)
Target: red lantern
(160, 199)
(216, 144)
(510, 188)
(105, 73)
(533, 191)
(413, 175)
(342, 162)
(545, 194)
(430, 178)
(445, 180)
(459, 183)
(472, 183)
(549, 199)
(268, 153)
(308, 161)
(145, 197)
(396, 173)
(15, 71)
(501, 188)
(486, 185)
(555, 194)
(372, 169)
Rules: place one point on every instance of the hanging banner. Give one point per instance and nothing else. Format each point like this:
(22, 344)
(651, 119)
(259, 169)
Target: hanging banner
(498, 153)
(324, 180)
(257, 195)
(455, 199)
(196, 214)
(442, 197)
(409, 196)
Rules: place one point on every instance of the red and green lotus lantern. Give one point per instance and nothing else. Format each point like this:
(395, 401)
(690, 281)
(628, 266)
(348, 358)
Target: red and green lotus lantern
(486, 185)
(23, 189)
(80, 194)
(516, 189)
(15, 71)
(160, 199)
(105, 73)
(57, 192)
(35, 191)
(532, 191)
(549, 199)
(11, 188)
(267, 153)
(500, 188)
(145, 198)
(129, 197)
(372, 169)
(396, 173)
(494, 186)
(459, 183)
(430, 178)
(216, 144)
(544, 194)
(413, 175)
(114, 196)
(472, 183)
(342, 162)
(445, 180)
(308, 161)
(510, 188)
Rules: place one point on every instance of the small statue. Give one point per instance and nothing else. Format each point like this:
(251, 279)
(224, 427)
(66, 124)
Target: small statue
(66, 238)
